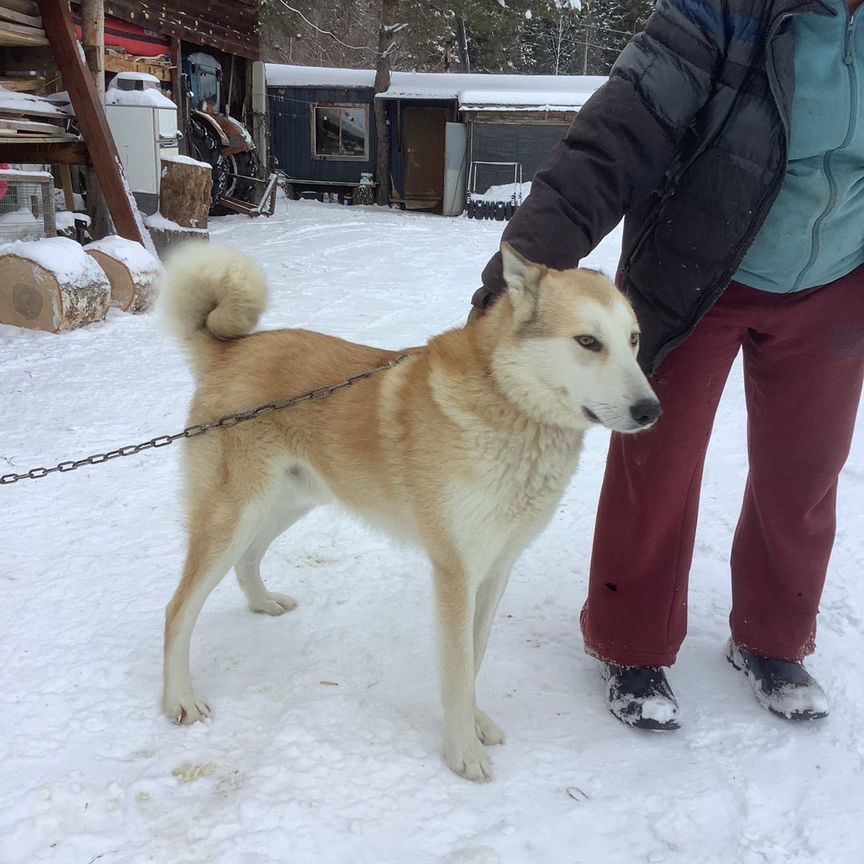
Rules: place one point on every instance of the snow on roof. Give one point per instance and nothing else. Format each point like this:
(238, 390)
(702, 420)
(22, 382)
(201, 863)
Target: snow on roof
(527, 92)
(283, 75)
(138, 98)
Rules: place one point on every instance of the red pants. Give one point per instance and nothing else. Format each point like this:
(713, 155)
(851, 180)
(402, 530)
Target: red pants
(803, 368)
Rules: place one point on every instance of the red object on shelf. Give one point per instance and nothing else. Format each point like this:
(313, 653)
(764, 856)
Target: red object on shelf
(132, 38)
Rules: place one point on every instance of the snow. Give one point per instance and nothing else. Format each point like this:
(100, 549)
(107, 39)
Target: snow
(20, 224)
(134, 76)
(158, 221)
(324, 746)
(283, 75)
(138, 98)
(187, 160)
(66, 219)
(474, 91)
(17, 173)
(137, 260)
(62, 257)
(504, 192)
(23, 103)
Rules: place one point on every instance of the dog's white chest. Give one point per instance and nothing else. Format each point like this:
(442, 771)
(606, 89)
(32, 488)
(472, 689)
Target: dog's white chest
(516, 485)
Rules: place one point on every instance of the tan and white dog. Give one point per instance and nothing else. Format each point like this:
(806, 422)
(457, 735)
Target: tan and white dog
(464, 448)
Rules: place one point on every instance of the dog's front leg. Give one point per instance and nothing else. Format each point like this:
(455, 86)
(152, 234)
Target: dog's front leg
(463, 751)
(489, 594)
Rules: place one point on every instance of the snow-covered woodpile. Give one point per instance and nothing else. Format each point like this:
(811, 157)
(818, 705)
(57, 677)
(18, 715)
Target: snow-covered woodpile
(56, 284)
(51, 285)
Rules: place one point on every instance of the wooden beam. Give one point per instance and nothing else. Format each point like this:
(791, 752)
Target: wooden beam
(23, 85)
(25, 7)
(13, 151)
(124, 63)
(19, 18)
(16, 35)
(91, 118)
(228, 25)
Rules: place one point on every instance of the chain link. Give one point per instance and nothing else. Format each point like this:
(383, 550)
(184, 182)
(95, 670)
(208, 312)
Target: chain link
(199, 428)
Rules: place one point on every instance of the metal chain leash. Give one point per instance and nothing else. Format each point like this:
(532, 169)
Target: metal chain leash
(200, 428)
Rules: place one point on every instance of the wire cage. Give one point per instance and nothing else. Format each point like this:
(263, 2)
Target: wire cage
(26, 205)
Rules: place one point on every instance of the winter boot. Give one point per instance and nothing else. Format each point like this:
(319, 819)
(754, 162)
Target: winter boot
(784, 687)
(641, 697)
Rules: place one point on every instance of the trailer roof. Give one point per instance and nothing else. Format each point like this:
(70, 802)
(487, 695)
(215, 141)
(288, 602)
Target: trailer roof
(473, 92)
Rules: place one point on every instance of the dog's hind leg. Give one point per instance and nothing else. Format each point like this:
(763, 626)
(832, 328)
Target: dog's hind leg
(283, 514)
(463, 751)
(216, 538)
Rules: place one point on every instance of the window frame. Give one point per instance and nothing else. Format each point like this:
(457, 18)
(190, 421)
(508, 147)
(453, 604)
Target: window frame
(328, 157)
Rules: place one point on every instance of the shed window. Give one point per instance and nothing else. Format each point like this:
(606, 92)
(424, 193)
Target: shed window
(340, 132)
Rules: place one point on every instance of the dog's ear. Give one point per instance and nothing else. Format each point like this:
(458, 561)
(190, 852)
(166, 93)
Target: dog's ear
(522, 278)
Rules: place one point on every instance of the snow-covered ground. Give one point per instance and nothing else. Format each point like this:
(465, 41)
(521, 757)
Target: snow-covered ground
(324, 744)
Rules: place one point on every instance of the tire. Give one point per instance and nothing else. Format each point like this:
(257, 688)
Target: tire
(511, 209)
(470, 209)
(500, 211)
(206, 147)
(245, 164)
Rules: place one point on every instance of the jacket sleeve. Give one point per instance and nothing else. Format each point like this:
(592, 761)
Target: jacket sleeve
(622, 141)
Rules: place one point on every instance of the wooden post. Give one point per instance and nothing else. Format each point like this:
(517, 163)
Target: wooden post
(65, 173)
(78, 81)
(93, 42)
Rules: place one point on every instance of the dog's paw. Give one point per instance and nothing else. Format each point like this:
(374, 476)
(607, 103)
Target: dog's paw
(469, 760)
(186, 711)
(273, 604)
(488, 731)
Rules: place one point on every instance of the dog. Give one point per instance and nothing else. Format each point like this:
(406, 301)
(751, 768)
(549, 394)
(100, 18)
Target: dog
(463, 448)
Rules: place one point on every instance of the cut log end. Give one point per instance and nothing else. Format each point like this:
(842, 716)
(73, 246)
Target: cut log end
(32, 296)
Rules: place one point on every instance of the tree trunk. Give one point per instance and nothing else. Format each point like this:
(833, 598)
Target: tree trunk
(184, 193)
(386, 34)
(462, 44)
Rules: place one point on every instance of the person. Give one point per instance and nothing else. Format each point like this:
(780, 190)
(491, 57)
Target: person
(728, 137)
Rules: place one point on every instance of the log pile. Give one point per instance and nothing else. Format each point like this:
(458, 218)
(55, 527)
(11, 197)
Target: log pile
(51, 285)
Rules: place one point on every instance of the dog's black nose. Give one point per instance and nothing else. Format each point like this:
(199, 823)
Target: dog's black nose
(645, 411)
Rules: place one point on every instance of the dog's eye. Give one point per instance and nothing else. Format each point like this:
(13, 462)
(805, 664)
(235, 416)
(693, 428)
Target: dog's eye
(634, 339)
(589, 342)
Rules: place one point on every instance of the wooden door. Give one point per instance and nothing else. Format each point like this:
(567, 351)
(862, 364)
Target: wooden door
(424, 157)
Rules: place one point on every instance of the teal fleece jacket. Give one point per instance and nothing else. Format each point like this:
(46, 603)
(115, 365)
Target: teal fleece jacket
(814, 232)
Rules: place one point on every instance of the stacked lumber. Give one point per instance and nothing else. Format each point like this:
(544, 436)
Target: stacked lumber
(25, 117)
(21, 24)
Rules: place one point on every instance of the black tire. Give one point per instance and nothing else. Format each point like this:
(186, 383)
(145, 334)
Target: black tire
(469, 210)
(500, 211)
(511, 209)
(206, 147)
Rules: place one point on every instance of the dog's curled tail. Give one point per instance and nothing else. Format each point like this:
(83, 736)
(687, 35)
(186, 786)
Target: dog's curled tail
(211, 292)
